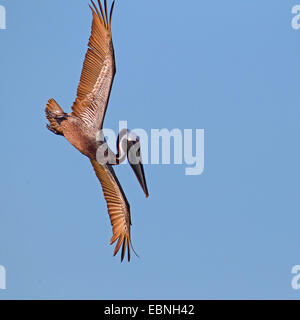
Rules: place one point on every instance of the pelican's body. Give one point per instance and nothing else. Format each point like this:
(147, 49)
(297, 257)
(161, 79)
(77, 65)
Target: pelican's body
(82, 127)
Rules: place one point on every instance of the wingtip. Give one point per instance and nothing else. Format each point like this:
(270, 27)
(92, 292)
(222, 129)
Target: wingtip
(111, 13)
(125, 243)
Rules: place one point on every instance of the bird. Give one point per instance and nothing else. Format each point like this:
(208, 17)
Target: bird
(82, 127)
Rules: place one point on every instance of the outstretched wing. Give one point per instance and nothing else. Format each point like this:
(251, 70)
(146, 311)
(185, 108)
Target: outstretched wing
(98, 70)
(118, 207)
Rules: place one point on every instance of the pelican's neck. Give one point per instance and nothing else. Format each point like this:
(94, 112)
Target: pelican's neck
(122, 149)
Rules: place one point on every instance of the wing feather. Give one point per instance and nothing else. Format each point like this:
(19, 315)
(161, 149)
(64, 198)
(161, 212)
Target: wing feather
(117, 205)
(98, 71)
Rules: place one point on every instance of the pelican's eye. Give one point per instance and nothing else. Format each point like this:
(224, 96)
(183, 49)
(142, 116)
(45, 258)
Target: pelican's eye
(132, 137)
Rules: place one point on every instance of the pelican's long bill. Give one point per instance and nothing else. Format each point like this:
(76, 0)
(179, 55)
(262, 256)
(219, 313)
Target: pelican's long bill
(136, 163)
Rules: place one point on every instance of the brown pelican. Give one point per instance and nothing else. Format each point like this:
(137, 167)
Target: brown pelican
(83, 126)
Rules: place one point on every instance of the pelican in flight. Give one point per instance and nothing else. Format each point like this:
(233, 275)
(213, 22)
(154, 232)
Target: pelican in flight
(83, 126)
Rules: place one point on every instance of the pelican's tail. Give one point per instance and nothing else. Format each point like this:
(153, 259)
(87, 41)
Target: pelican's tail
(55, 115)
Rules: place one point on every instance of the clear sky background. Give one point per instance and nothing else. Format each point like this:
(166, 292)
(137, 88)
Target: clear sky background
(230, 67)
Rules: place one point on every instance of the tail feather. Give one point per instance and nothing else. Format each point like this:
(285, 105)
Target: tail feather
(53, 113)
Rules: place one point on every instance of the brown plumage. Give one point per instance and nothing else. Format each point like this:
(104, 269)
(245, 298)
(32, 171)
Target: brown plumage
(117, 205)
(81, 127)
(98, 71)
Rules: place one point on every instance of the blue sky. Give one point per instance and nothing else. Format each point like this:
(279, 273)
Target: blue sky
(230, 67)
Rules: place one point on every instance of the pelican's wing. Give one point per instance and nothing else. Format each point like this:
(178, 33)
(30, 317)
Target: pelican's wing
(118, 207)
(98, 70)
